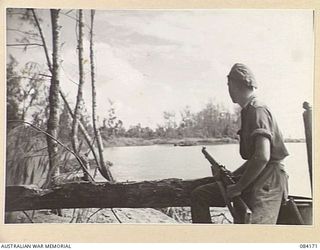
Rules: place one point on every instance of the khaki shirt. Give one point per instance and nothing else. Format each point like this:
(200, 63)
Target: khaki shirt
(265, 194)
(256, 119)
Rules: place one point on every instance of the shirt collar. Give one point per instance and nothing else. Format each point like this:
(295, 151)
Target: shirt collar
(250, 99)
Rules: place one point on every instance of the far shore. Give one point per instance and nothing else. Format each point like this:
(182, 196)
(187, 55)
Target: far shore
(125, 141)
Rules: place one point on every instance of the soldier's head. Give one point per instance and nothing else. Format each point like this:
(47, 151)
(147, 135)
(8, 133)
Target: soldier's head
(241, 83)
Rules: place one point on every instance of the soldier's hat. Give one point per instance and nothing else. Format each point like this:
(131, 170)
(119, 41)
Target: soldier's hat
(243, 74)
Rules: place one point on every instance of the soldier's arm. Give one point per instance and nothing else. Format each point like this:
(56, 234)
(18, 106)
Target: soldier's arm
(253, 167)
(239, 171)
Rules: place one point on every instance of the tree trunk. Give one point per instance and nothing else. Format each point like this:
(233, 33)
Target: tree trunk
(79, 102)
(156, 194)
(53, 120)
(82, 128)
(103, 168)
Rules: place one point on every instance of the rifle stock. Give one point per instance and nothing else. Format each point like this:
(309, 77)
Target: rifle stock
(239, 209)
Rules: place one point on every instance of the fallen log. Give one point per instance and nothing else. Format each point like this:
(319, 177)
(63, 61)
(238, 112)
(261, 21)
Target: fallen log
(145, 194)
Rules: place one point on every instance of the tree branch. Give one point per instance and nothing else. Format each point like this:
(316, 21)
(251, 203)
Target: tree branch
(24, 44)
(25, 213)
(82, 128)
(43, 40)
(93, 214)
(24, 77)
(74, 18)
(23, 32)
(61, 144)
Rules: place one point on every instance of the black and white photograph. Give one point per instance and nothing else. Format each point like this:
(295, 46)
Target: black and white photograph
(159, 116)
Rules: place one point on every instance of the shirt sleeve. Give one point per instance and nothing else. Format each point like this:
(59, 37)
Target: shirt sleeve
(261, 123)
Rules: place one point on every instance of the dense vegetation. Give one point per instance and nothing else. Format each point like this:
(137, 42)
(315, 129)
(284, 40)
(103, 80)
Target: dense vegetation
(26, 99)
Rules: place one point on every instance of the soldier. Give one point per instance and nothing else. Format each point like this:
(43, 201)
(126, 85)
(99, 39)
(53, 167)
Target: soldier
(262, 181)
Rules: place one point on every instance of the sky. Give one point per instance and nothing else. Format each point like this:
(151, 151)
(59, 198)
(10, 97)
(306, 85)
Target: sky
(151, 61)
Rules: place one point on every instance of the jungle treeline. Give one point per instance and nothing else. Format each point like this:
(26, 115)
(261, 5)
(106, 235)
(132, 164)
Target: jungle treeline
(26, 100)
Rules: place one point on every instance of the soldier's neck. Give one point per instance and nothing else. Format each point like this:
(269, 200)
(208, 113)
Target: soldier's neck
(243, 102)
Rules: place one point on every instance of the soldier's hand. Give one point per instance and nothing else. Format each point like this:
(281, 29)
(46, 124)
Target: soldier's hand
(233, 191)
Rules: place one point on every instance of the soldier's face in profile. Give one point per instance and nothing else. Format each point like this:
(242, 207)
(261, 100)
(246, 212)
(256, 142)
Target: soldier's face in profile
(232, 90)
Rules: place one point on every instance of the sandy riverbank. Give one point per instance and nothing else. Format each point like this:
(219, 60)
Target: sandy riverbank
(170, 215)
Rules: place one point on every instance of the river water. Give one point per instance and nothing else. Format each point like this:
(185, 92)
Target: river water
(156, 162)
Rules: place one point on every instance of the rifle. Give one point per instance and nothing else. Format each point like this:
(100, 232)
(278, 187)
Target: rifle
(239, 210)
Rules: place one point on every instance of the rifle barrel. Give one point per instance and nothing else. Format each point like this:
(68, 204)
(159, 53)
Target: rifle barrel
(209, 157)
